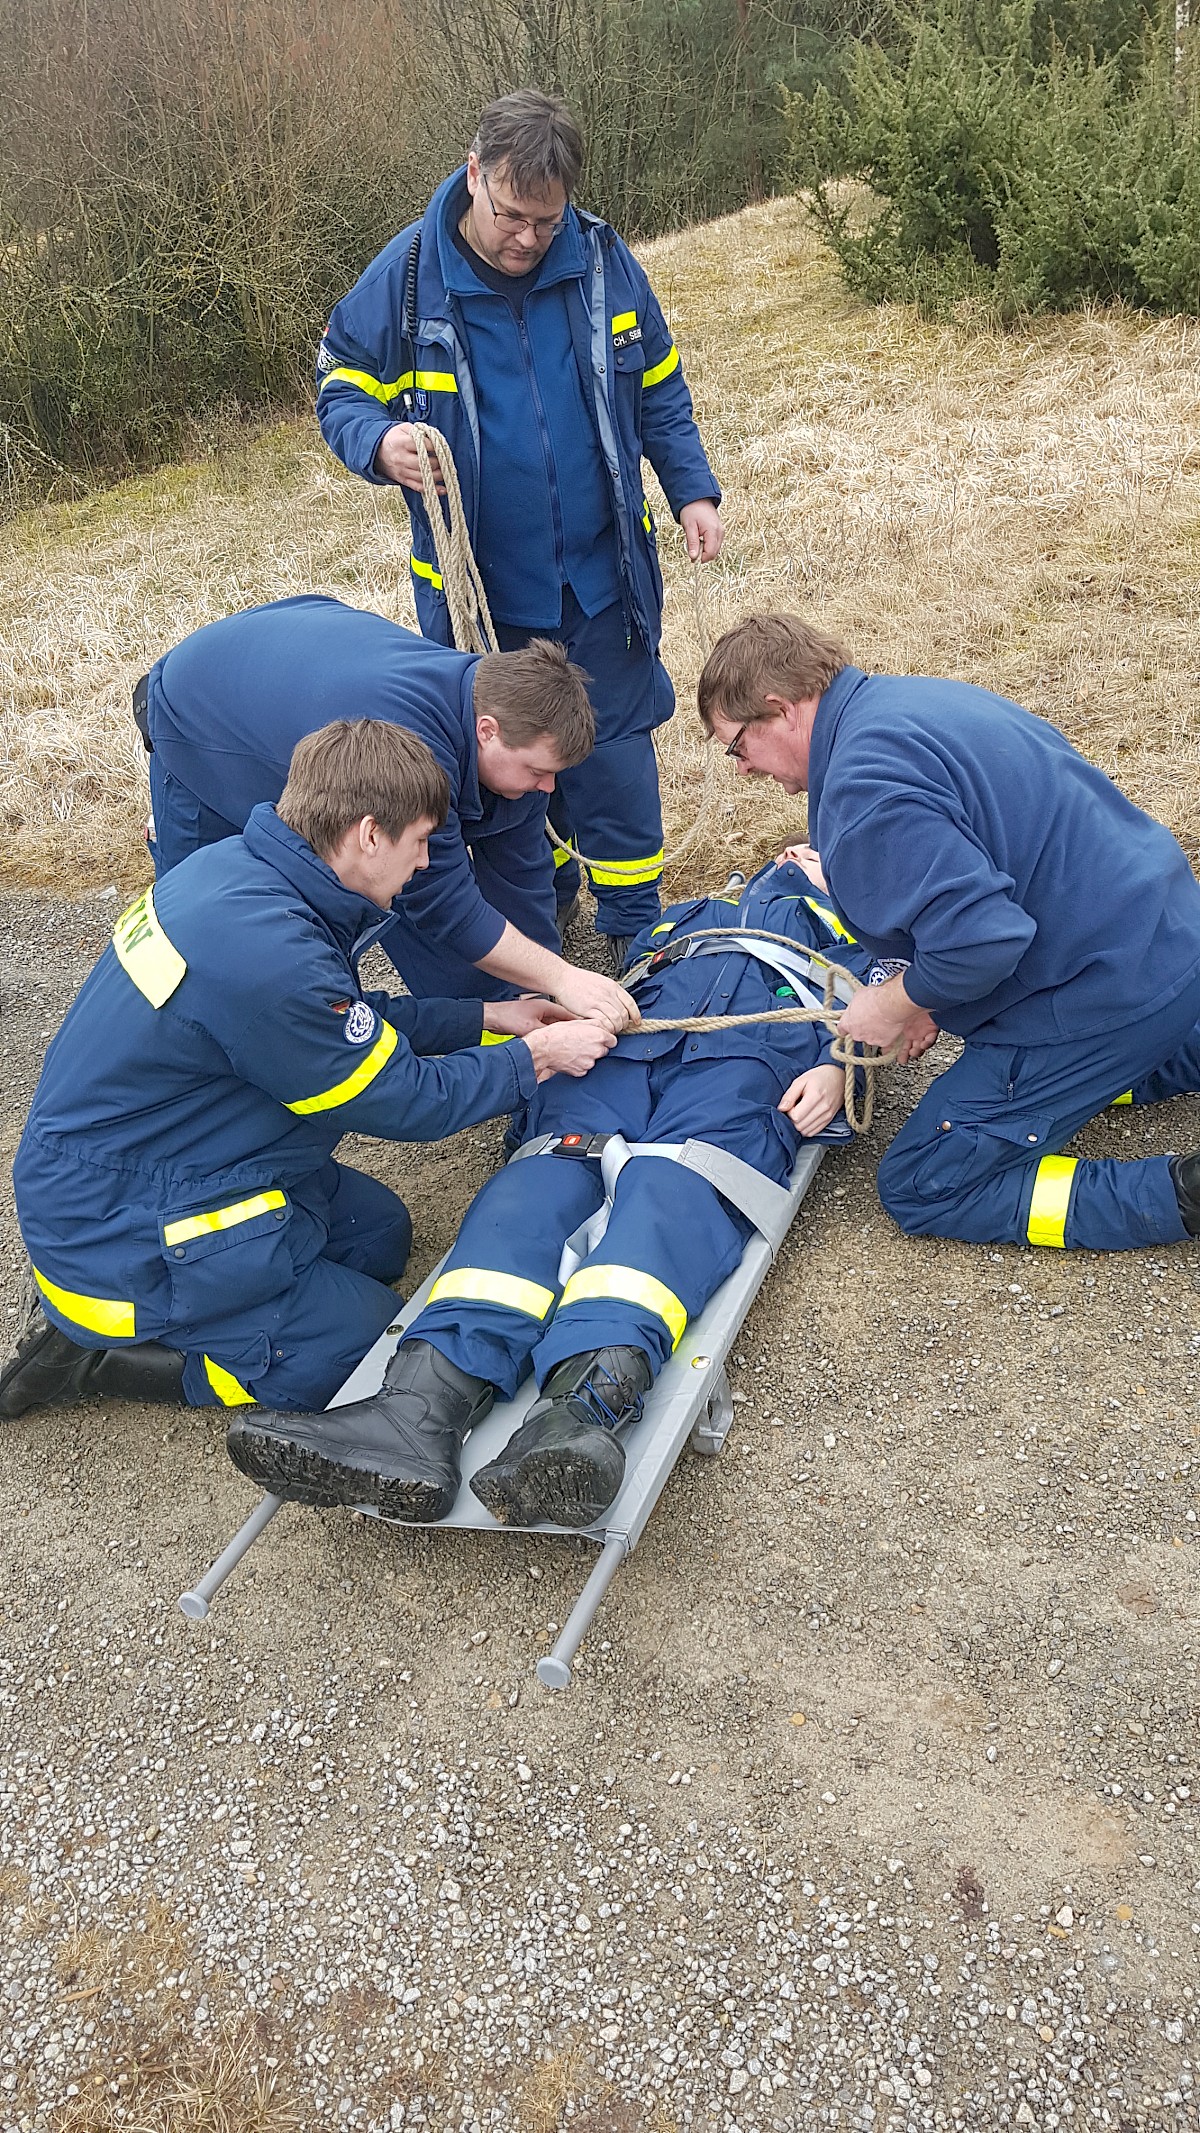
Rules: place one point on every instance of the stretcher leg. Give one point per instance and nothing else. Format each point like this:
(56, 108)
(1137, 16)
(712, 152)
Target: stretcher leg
(195, 1602)
(715, 1419)
(554, 1671)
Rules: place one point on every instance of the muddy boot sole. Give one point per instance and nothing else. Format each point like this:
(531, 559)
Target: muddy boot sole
(300, 1474)
(550, 1485)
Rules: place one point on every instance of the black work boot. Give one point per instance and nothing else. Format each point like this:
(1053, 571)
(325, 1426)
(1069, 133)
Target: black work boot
(565, 1464)
(399, 1452)
(48, 1369)
(618, 947)
(1185, 1177)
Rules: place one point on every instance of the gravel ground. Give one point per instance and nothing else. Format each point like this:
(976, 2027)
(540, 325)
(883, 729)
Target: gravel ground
(873, 1804)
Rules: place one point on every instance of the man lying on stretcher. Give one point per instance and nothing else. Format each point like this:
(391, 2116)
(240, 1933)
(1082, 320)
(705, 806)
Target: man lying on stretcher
(596, 1321)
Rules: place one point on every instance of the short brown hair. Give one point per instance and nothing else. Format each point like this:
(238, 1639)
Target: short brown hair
(766, 655)
(356, 767)
(536, 694)
(534, 140)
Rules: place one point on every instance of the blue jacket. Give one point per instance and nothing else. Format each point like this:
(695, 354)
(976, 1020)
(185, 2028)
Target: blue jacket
(779, 899)
(214, 1058)
(591, 296)
(228, 705)
(1034, 901)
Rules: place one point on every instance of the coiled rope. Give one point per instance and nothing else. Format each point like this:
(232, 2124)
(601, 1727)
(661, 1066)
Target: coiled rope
(471, 618)
(474, 631)
(868, 1061)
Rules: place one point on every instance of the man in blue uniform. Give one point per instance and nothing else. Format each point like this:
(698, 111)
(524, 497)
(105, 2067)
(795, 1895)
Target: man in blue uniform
(1045, 919)
(222, 712)
(598, 1321)
(190, 1235)
(527, 333)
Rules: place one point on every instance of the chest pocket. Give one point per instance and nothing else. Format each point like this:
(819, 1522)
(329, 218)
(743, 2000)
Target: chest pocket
(224, 1259)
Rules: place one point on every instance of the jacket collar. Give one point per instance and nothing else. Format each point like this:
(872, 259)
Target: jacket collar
(566, 259)
(347, 915)
(825, 725)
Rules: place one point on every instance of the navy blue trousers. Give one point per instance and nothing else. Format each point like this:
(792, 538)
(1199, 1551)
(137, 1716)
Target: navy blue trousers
(609, 804)
(979, 1157)
(182, 824)
(671, 1240)
(295, 1350)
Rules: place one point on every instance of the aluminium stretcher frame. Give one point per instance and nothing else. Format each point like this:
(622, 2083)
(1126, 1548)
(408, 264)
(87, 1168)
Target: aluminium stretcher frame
(690, 1401)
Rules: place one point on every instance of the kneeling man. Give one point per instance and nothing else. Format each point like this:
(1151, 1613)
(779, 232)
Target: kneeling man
(190, 1234)
(596, 1323)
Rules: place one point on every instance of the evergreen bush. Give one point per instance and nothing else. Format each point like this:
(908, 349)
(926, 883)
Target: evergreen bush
(1010, 170)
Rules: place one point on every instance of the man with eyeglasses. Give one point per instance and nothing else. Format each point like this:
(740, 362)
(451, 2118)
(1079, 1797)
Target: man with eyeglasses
(524, 329)
(1028, 907)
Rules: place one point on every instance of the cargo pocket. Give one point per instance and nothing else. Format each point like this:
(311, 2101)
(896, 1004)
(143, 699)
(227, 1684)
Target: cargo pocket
(225, 1260)
(966, 1153)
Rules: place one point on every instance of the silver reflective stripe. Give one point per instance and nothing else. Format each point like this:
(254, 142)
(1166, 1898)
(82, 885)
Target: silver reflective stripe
(601, 348)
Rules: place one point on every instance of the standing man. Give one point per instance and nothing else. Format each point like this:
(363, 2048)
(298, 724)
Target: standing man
(524, 329)
(222, 713)
(1045, 920)
(190, 1234)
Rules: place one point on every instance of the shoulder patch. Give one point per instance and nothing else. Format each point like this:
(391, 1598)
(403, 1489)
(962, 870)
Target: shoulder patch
(360, 1024)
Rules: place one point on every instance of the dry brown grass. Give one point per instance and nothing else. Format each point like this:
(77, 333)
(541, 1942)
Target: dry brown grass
(1022, 510)
(220, 2085)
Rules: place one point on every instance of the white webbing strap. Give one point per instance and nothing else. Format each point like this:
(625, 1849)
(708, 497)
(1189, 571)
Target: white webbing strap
(767, 1205)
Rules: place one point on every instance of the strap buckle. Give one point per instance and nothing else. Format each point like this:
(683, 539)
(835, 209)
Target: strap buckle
(579, 1147)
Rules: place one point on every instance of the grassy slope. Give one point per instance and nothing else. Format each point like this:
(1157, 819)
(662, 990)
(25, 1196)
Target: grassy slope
(1022, 510)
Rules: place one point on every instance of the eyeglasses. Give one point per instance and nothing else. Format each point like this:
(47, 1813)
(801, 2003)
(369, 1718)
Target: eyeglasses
(543, 226)
(735, 746)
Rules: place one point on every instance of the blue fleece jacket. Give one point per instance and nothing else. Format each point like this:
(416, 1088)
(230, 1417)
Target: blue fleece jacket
(1035, 903)
(594, 348)
(214, 1058)
(228, 705)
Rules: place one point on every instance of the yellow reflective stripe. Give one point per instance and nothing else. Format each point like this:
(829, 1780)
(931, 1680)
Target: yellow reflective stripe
(625, 1284)
(561, 858)
(626, 873)
(481, 1284)
(343, 1092)
(222, 1217)
(365, 383)
(1051, 1199)
(496, 1036)
(661, 370)
(100, 1314)
(145, 953)
(623, 321)
(646, 520)
(832, 920)
(667, 926)
(425, 570)
(1126, 1099)
(226, 1386)
(430, 381)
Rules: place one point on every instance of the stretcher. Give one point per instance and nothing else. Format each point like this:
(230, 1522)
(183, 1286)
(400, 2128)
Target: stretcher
(690, 1402)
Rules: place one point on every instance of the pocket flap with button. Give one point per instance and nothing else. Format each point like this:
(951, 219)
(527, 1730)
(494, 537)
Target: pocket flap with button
(226, 1258)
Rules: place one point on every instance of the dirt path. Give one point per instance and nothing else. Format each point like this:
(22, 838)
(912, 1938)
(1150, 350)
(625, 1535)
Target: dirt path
(873, 1804)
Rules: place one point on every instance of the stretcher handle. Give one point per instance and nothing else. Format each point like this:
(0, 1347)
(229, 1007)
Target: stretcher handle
(195, 1603)
(554, 1670)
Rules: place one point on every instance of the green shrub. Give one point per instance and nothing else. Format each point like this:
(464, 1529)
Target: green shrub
(1020, 181)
